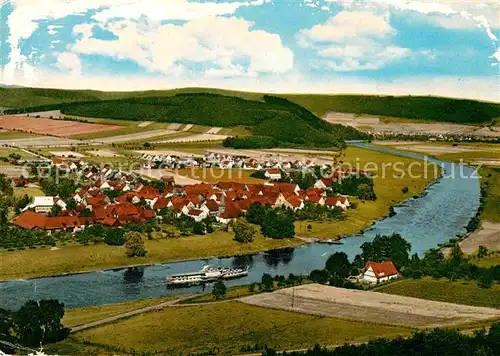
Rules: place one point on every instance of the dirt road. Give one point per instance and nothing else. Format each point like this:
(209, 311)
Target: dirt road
(128, 314)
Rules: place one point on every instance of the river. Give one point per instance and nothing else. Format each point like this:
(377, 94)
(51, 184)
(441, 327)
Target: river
(438, 215)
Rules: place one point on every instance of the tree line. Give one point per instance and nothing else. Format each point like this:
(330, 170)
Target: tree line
(35, 323)
(443, 342)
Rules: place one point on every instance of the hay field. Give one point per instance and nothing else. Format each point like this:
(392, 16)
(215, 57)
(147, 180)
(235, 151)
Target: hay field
(373, 307)
(60, 128)
(442, 290)
(229, 327)
(195, 138)
(133, 136)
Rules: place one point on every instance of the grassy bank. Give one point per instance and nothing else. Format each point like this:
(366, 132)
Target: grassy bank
(76, 258)
(79, 316)
(389, 184)
(459, 292)
(228, 327)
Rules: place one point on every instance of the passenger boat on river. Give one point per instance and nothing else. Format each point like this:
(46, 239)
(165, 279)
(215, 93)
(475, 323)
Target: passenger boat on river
(206, 275)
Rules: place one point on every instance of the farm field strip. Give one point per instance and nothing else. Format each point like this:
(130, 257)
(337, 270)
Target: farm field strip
(194, 138)
(407, 125)
(61, 128)
(165, 152)
(104, 153)
(41, 141)
(488, 235)
(276, 154)
(158, 173)
(67, 154)
(133, 136)
(371, 306)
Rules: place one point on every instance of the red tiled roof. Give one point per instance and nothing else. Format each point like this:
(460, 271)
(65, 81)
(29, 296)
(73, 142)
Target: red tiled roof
(31, 220)
(148, 214)
(126, 209)
(195, 212)
(382, 269)
(99, 213)
(161, 203)
(331, 201)
(230, 212)
(243, 204)
(273, 171)
(212, 205)
(109, 221)
(294, 201)
(148, 192)
(313, 198)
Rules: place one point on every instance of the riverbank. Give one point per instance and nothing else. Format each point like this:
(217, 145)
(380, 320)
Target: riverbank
(389, 187)
(79, 259)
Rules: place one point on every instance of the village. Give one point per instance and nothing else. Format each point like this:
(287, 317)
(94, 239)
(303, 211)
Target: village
(115, 198)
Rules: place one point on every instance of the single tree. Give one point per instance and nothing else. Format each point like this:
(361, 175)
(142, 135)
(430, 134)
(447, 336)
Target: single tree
(338, 265)
(243, 231)
(114, 237)
(256, 214)
(365, 192)
(134, 244)
(482, 252)
(278, 224)
(219, 290)
(267, 282)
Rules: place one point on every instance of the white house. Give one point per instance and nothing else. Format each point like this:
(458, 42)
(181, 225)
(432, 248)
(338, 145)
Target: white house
(342, 201)
(379, 272)
(44, 205)
(197, 214)
(273, 174)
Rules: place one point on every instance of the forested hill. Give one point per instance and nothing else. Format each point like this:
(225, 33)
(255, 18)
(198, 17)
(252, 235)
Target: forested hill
(413, 107)
(273, 121)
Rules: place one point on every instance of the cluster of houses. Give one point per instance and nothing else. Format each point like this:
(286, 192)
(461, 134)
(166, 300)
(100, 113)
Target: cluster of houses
(135, 201)
(223, 161)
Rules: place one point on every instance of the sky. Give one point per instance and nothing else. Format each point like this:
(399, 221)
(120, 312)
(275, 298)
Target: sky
(394, 47)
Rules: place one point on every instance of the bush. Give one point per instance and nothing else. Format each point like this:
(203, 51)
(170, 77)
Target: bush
(243, 231)
(115, 237)
(134, 244)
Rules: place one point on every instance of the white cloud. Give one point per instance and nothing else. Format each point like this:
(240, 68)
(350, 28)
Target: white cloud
(220, 41)
(69, 63)
(157, 10)
(85, 29)
(453, 22)
(51, 29)
(346, 25)
(482, 13)
(353, 40)
(496, 57)
(365, 57)
(24, 19)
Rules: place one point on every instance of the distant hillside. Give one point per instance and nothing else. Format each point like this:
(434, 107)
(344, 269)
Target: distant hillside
(283, 121)
(411, 107)
(423, 108)
(274, 121)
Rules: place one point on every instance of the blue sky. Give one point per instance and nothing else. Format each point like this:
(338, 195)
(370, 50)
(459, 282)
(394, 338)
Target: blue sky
(439, 47)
